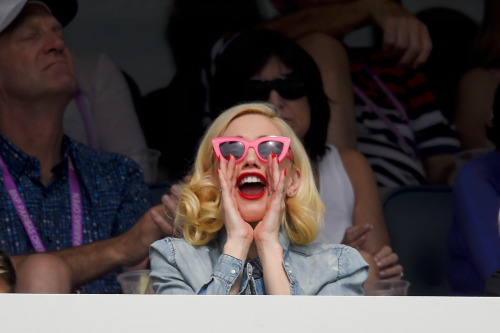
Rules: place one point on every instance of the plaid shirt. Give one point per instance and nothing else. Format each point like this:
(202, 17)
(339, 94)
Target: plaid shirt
(114, 197)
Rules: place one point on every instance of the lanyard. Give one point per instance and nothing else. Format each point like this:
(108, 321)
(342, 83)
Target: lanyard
(375, 108)
(22, 211)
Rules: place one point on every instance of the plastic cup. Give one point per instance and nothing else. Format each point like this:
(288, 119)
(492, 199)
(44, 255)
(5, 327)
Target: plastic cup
(387, 288)
(136, 282)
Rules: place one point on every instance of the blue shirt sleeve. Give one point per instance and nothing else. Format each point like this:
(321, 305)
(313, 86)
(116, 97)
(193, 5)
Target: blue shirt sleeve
(170, 275)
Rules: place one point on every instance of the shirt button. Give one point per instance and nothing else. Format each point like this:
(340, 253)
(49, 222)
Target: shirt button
(233, 271)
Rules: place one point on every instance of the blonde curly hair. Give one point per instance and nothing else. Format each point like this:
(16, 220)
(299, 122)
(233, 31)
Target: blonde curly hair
(198, 217)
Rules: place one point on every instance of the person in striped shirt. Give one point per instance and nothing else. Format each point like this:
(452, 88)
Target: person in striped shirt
(400, 130)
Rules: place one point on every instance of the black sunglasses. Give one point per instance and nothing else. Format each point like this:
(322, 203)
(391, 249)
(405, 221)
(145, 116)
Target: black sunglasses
(288, 86)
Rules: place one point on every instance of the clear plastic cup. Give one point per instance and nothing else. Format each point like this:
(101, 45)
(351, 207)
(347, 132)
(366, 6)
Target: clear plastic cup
(136, 282)
(386, 288)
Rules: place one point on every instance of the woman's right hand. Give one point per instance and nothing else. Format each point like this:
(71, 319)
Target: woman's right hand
(239, 232)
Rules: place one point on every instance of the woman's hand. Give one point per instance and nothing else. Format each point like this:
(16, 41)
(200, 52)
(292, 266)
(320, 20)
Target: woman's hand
(266, 233)
(355, 235)
(239, 232)
(268, 229)
(387, 262)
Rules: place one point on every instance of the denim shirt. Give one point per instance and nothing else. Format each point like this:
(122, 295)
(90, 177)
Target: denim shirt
(177, 267)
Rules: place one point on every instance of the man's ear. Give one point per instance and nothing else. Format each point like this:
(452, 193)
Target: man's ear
(293, 183)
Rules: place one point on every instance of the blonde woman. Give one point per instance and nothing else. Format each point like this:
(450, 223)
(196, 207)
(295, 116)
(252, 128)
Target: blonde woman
(249, 216)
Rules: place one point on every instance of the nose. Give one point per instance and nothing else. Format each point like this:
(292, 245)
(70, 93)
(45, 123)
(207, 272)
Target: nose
(275, 98)
(251, 159)
(54, 42)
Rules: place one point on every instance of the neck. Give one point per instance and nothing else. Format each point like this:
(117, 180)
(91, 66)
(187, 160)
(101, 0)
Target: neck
(252, 251)
(37, 131)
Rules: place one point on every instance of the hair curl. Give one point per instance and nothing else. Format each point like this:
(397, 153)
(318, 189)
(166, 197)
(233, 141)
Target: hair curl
(198, 216)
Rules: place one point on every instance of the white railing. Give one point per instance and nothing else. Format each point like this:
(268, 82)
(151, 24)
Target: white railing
(236, 314)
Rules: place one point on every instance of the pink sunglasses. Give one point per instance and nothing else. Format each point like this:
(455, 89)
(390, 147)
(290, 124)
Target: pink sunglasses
(238, 147)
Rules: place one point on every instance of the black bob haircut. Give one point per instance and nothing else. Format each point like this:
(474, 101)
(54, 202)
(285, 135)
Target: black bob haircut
(247, 54)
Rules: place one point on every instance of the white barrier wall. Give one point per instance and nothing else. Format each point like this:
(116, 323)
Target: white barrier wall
(238, 314)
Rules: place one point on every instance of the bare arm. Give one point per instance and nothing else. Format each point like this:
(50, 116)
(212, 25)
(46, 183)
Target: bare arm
(403, 33)
(90, 261)
(266, 233)
(336, 18)
(367, 207)
(440, 169)
(475, 97)
(331, 58)
(368, 217)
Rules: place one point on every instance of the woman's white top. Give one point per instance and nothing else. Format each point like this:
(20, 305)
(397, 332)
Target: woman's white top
(337, 195)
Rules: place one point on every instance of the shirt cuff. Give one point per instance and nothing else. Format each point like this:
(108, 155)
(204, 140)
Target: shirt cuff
(227, 268)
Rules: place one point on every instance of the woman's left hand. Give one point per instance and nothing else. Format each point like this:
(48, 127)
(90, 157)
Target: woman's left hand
(387, 263)
(268, 229)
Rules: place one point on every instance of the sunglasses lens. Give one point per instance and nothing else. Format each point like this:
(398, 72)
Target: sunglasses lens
(235, 148)
(291, 93)
(265, 148)
(256, 91)
(291, 88)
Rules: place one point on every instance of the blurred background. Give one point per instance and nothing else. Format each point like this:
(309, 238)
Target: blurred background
(132, 33)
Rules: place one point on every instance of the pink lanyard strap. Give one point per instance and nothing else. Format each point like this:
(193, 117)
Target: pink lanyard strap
(375, 108)
(22, 211)
(85, 114)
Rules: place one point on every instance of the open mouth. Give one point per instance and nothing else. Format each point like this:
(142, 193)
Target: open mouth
(251, 186)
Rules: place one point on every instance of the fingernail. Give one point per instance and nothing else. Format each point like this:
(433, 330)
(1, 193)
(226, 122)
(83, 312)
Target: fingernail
(285, 172)
(219, 158)
(229, 158)
(272, 154)
(218, 171)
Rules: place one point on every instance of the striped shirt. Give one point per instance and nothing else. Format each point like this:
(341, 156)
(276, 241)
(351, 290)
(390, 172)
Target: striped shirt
(423, 126)
(114, 197)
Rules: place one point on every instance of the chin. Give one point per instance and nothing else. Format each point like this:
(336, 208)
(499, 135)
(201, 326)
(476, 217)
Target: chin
(252, 210)
(252, 218)
(252, 213)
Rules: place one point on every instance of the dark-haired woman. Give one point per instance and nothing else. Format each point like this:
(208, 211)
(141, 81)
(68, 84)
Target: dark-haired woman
(266, 66)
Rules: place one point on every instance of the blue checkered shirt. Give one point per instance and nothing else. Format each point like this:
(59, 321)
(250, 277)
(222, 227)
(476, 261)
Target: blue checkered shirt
(114, 197)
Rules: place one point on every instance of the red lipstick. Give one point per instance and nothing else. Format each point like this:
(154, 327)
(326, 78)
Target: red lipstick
(252, 196)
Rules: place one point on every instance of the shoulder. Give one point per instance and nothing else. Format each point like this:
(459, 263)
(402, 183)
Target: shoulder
(179, 247)
(355, 163)
(340, 259)
(351, 156)
(104, 161)
(479, 74)
(348, 157)
(330, 251)
(109, 173)
(476, 78)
